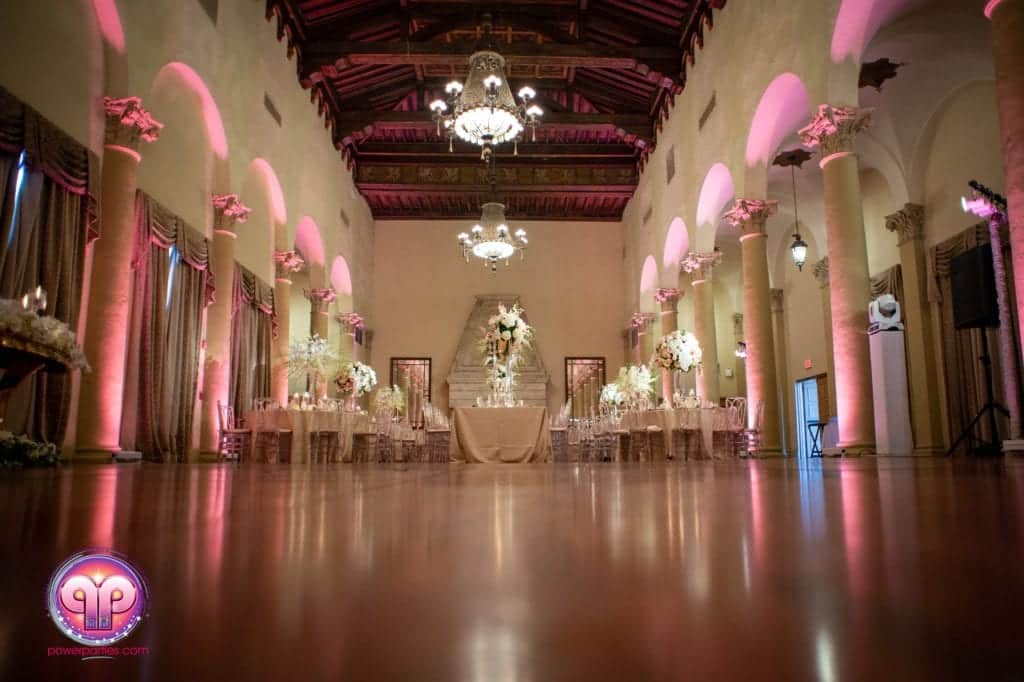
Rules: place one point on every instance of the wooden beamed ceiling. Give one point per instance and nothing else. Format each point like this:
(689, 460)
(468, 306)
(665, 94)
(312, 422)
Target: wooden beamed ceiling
(605, 71)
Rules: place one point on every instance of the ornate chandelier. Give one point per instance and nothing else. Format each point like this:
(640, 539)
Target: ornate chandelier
(491, 239)
(483, 111)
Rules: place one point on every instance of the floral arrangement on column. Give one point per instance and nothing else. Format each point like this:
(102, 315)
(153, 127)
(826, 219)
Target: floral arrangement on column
(389, 399)
(506, 336)
(635, 384)
(677, 351)
(313, 358)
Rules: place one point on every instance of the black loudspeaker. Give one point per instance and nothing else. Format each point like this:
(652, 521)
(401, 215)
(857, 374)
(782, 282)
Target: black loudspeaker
(974, 289)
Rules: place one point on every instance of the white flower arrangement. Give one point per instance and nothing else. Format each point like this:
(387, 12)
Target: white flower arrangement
(311, 356)
(355, 379)
(635, 382)
(611, 395)
(45, 331)
(389, 398)
(506, 334)
(21, 451)
(678, 350)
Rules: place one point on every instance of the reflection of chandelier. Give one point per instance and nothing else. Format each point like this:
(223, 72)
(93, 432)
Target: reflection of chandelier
(491, 239)
(483, 111)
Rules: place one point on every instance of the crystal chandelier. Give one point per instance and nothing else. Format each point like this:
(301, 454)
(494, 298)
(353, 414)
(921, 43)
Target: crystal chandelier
(483, 111)
(491, 239)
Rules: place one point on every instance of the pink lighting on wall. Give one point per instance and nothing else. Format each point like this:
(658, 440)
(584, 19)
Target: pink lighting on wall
(110, 24)
(649, 275)
(715, 193)
(341, 278)
(784, 107)
(857, 23)
(178, 73)
(308, 241)
(278, 212)
(677, 243)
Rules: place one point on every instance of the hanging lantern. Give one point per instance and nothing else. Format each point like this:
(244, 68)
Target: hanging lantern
(798, 249)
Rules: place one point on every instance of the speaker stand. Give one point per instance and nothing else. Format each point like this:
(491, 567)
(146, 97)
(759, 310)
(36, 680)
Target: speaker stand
(990, 409)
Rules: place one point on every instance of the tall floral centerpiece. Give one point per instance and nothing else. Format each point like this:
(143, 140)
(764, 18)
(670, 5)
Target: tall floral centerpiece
(353, 381)
(677, 352)
(635, 385)
(314, 359)
(389, 400)
(611, 399)
(505, 338)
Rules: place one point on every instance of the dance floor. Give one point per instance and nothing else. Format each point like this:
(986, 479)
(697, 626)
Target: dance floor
(769, 570)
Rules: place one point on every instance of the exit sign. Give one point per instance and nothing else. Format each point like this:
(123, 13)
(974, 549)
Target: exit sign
(807, 363)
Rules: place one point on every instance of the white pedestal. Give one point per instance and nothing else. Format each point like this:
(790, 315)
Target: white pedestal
(889, 383)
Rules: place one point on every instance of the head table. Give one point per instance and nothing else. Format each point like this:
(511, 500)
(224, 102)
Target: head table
(303, 422)
(501, 434)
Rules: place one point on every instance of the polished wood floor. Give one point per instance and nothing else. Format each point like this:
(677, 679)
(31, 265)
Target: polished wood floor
(768, 570)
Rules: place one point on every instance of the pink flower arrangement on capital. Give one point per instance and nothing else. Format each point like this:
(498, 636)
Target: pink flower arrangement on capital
(678, 351)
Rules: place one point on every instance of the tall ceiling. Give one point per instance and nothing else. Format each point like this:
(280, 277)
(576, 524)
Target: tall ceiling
(605, 71)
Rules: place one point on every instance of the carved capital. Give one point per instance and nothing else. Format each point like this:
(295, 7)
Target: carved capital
(350, 322)
(907, 223)
(834, 129)
(776, 297)
(668, 297)
(320, 299)
(128, 123)
(227, 211)
(737, 325)
(751, 214)
(700, 265)
(642, 322)
(821, 272)
(285, 263)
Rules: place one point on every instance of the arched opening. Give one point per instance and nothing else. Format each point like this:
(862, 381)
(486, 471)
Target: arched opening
(783, 108)
(267, 222)
(716, 192)
(677, 241)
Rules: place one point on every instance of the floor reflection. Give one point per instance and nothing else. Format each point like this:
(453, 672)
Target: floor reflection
(834, 570)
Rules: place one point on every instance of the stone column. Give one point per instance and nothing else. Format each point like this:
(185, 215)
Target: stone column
(643, 323)
(101, 400)
(320, 301)
(349, 323)
(925, 400)
(668, 299)
(627, 346)
(762, 388)
(227, 212)
(699, 267)
(782, 372)
(821, 274)
(1008, 57)
(740, 365)
(834, 130)
(285, 263)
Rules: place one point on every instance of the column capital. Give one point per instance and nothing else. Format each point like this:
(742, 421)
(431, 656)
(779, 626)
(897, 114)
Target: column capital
(776, 298)
(834, 129)
(642, 322)
(227, 211)
(821, 272)
(907, 223)
(700, 264)
(128, 123)
(737, 325)
(668, 297)
(319, 299)
(350, 322)
(751, 215)
(285, 263)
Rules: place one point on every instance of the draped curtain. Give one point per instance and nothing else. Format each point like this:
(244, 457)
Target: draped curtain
(173, 284)
(962, 349)
(888, 282)
(253, 325)
(47, 218)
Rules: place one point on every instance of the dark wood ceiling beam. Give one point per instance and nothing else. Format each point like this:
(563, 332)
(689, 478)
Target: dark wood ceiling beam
(443, 190)
(527, 150)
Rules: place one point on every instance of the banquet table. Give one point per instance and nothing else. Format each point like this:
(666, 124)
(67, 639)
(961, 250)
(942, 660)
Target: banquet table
(667, 420)
(501, 434)
(303, 422)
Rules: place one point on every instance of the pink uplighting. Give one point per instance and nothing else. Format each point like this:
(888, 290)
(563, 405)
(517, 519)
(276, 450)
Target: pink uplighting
(715, 193)
(308, 241)
(649, 275)
(110, 24)
(277, 208)
(176, 71)
(341, 278)
(857, 23)
(676, 244)
(784, 107)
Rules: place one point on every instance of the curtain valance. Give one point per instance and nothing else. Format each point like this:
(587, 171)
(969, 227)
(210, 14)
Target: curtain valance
(888, 282)
(251, 290)
(156, 224)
